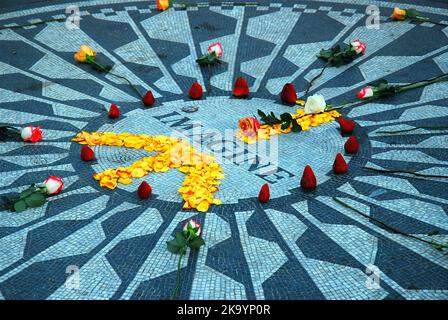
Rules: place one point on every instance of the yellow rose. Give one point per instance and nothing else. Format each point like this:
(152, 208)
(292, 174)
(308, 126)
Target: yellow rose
(398, 14)
(83, 53)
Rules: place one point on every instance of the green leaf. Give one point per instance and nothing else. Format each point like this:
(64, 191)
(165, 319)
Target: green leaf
(180, 238)
(20, 206)
(286, 116)
(26, 192)
(285, 125)
(196, 243)
(173, 246)
(261, 114)
(35, 200)
(296, 127)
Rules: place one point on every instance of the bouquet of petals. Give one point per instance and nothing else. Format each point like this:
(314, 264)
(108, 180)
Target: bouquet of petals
(189, 237)
(35, 196)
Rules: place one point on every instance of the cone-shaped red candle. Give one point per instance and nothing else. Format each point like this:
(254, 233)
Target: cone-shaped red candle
(308, 181)
(241, 89)
(264, 194)
(87, 154)
(289, 94)
(148, 99)
(347, 126)
(352, 145)
(114, 111)
(339, 165)
(195, 91)
(144, 191)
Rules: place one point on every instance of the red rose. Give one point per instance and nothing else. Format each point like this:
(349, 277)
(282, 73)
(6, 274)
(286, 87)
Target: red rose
(264, 194)
(308, 181)
(148, 99)
(144, 191)
(114, 111)
(249, 126)
(347, 126)
(339, 165)
(87, 154)
(195, 91)
(351, 146)
(289, 94)
(241, 89)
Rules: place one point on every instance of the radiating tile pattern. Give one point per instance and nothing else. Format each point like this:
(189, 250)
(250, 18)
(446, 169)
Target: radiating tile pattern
(90, 243)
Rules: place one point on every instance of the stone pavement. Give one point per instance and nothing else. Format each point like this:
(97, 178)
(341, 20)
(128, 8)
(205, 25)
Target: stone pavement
(299, 245)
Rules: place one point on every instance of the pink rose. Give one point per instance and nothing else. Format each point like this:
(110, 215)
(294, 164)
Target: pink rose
(358, 46)
(216, 48)
(249, 126)
(365, 93)
(193, 224)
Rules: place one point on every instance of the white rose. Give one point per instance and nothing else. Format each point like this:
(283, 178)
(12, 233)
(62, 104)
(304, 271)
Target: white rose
(315, 104)
(53, 185)
(193, 224)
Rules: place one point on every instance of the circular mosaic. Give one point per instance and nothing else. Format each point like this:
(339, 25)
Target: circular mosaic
(300, 245)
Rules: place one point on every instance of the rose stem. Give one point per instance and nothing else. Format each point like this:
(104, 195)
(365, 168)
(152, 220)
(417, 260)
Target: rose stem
(432, 243)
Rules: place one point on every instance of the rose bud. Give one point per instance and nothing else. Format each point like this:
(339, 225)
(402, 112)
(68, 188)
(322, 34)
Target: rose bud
(32, 134)
(398, 14)
(53, 185)
(148, 99)
(351, 146)
(315, 104)
(216, 48)
(192, 224)
(114, 111)
(144, 191)
(365, 93)
(249, 126)
(195, 91)
(162, 5)
(339, 164)
(87, 154)
(358, 46)
(241, 89)
(288, 93)
(308, 181)
(347, 126)
(264, 194)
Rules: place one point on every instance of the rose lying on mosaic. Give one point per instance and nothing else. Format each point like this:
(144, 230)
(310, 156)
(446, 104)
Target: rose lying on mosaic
(87, 55)
(202, 171)
(315, 113)
(189, 237)
(337, 57)
(35, 196)
(28, 134)
(413, 15)
(381, 88)
(289, 95)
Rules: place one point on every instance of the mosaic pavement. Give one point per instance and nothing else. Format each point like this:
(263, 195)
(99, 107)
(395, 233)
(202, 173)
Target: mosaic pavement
(300, 245)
